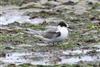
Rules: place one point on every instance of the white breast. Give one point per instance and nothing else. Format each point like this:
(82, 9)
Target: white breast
(64, 34)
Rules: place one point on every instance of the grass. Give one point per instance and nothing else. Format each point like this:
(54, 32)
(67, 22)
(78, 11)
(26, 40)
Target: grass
(64, 65)
(82, 34)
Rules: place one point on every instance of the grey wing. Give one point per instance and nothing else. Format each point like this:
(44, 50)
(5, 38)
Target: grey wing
(51, 33)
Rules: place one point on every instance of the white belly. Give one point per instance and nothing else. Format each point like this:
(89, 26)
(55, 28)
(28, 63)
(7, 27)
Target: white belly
(64, 35)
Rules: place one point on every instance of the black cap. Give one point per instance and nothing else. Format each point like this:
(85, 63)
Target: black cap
(62, 24)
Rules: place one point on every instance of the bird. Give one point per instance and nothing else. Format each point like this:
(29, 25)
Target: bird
(53, 35)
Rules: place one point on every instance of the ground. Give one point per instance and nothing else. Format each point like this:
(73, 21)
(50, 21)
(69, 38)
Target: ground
(82, 17)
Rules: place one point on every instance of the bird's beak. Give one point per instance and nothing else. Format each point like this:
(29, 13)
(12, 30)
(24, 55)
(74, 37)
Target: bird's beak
(70, 29)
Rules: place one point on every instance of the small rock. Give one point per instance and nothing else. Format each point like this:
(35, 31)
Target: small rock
(92, 53)
(2, 54)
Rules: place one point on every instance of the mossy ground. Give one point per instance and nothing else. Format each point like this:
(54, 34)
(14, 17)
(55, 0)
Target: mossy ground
(64, 65)
(84, 31)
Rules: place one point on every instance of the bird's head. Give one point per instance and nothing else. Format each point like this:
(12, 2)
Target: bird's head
(63, 24)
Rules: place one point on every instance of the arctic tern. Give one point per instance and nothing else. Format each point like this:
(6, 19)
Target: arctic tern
(55, 34)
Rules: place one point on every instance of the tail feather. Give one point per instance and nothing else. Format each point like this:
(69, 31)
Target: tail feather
(33, 32)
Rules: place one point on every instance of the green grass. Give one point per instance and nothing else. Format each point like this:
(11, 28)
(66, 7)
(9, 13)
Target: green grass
(64, 65)
(81, 35)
